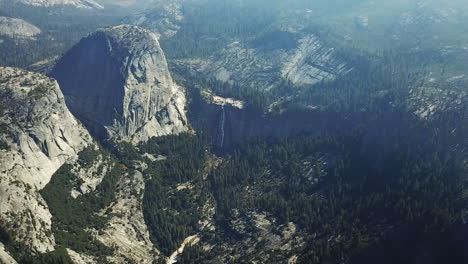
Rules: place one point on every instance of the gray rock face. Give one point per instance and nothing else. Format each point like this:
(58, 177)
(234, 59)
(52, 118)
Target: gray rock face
(17, 28)
(432, 98)
(117, 82)
(37, 135)
(304, 61)
(126, 231)
(283, 51)
(161, 16)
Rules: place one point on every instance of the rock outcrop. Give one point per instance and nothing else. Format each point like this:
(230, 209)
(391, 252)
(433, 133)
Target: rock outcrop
(433, 98)
(162, 17)
(37, 135)
(302, 60)
(78, 258)
(18, 28)
(126, 230)
(116, 81)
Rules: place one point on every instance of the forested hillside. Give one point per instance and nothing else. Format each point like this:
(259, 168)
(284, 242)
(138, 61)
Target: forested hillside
(316, 132)
(61, 26)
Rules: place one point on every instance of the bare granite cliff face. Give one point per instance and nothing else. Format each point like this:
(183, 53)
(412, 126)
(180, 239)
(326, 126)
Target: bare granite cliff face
(299, 59)
(161, 16)
(126, 231)
(18, 28)
(37, 136)
(117, 82)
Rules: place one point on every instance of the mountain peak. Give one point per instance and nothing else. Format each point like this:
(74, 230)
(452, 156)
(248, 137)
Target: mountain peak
(117, 82)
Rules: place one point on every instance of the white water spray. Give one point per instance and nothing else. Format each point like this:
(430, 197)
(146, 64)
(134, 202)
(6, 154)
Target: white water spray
(221, 128)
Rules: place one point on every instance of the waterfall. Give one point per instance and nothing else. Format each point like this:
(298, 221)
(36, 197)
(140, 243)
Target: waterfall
(221, 128)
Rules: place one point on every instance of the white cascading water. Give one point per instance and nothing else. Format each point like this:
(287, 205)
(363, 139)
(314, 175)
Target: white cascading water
(221, 128)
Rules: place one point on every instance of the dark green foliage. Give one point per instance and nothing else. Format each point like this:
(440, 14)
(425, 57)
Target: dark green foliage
(72, 216)
(211, 25)
(125, 152)
(376, 175)
(25, 53)
(38, 92)
(173, 215)
(88, 156)
(275, 40)
(373, 82)
(193, 255)
(4, 145)
(214, 24)
(185, 157)
(3, 127)
(388, 171)
(378, 182)
(58, 256)
(61, 28)
(5, 237)
(171, 218)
